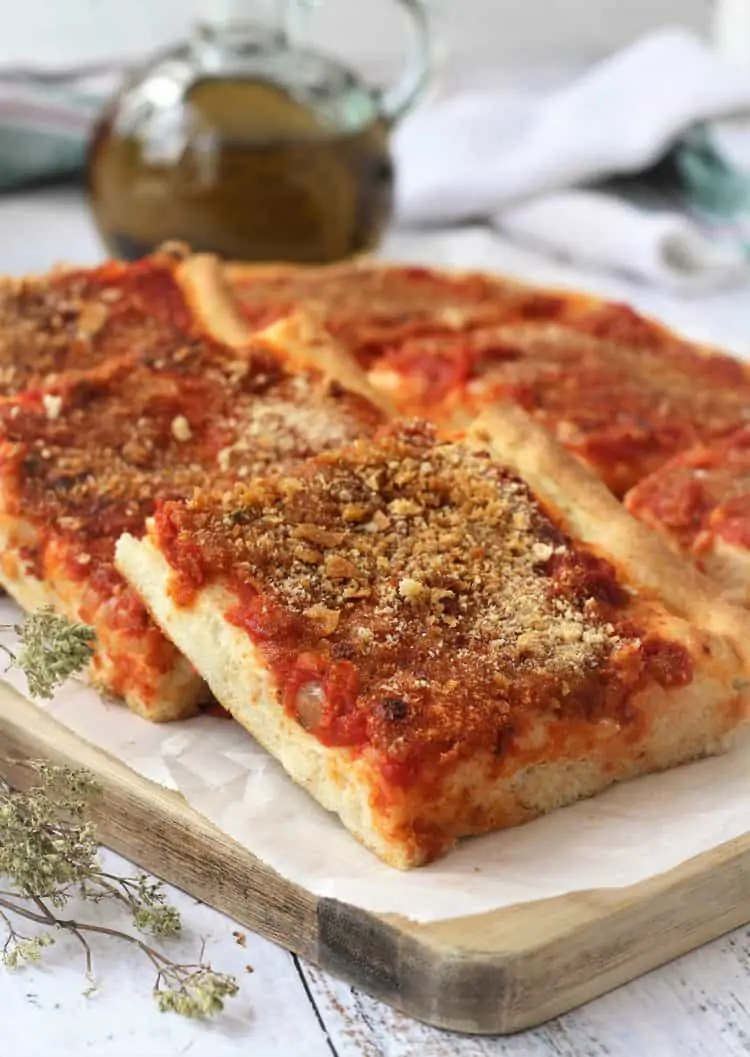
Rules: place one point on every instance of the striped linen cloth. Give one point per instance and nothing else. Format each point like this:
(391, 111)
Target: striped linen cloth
(46, 119)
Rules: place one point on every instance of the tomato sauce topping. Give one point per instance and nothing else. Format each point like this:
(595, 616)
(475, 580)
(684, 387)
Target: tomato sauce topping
(701, 495)
(74, 320)
(86, 459)
(413, 597)
(619, 390)
(374, 310)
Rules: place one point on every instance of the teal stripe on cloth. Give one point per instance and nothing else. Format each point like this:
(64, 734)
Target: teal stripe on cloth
(45, 124)
(714, 187)
(29, 155)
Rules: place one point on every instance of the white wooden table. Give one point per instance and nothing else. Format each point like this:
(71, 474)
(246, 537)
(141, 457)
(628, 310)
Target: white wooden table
(696, 1007)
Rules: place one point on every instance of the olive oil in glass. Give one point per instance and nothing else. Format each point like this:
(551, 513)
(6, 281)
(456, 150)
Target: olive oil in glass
(238, 143)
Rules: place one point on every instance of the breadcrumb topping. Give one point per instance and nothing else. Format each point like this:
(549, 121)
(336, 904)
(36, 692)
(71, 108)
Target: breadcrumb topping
(430, 571)
(92, 462)
(73, 320)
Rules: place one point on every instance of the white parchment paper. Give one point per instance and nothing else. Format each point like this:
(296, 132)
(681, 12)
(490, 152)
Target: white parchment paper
(623, 836)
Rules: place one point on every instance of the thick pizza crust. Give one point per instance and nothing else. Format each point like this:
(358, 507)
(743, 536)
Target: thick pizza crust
(728, 565)
(239, 679)
(303, 343)
(203, 282)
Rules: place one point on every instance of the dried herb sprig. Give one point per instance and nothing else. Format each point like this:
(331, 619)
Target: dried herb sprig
(48, 853)
(48, 848)
(52, 649)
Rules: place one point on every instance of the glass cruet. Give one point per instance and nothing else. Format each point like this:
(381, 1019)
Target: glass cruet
(241, 141)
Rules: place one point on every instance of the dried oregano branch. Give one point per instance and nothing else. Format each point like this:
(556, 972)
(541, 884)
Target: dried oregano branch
(48, 853)
(51, 649)
(48, 849)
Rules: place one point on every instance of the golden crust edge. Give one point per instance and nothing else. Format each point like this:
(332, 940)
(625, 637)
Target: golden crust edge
(304, 343)
(210, 297)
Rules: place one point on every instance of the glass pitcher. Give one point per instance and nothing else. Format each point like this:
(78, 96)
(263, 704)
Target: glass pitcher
(242, 142)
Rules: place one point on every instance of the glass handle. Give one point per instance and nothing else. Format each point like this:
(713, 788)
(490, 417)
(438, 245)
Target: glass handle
(397, 100)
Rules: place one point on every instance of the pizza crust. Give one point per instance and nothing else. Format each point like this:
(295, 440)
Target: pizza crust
(725, 564)
(304, 344)
(211, 300)
(247, 691)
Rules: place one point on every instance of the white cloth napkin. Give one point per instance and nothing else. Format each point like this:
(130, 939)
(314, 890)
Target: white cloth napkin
(512, 161)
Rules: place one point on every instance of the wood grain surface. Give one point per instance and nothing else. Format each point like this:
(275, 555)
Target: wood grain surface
(490, 974)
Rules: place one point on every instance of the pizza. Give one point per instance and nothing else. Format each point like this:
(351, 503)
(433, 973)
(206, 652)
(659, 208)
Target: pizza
(75, 319)
(621, 392)
(623, 409)
(699, 503)
(441, 635)
(370, 307)
(88, 457)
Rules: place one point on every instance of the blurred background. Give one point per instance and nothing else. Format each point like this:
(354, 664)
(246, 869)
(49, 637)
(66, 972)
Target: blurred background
(473, 33)
(596, 143)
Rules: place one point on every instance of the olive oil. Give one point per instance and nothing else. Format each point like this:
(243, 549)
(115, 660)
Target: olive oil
(241, 141)
(242, 169)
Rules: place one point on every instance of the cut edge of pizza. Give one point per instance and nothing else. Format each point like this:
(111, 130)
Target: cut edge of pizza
(438, 638)
(132, 660)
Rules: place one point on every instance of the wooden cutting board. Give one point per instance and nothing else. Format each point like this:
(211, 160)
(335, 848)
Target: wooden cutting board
(494, 973)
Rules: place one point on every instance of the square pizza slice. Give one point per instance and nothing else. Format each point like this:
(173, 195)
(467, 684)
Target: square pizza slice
(85, 460)
(373, 307)
(75, 319)
(622, 392)
(699, 503)
(441, 637)
(623, 408)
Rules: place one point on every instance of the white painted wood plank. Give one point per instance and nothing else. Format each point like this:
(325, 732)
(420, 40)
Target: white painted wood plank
(45, 1014)
(699, 1006)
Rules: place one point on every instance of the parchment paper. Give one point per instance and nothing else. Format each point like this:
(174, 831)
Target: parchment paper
(623, 836)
